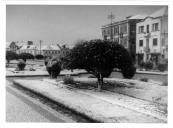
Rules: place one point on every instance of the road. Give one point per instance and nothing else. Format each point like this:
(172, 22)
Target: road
(22, 108)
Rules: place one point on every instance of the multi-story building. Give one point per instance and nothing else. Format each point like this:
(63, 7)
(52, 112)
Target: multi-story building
(123, 32)
(152, 37)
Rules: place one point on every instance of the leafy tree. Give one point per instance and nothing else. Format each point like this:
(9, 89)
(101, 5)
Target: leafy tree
(100, 57)
(26, 56)
(21, 65)
(39, 56)
(11, 56)
(53, 66)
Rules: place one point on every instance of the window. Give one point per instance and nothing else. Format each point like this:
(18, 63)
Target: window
(155, 42)
(108, 31)
(155, 27)
(140, 43)
(104, 32)
(116, 31)
(141, 29)
(123, 28)
(148, 29)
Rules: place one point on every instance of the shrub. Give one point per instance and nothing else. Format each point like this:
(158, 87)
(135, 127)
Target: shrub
(100, 57)
(148, 65)
(39, 56)
(53, 67)
(142, 64)
(162, 67)
(11, 56)
(128, 72)
(68, 80)
(144, 79)
(21, 65)
(26, 56)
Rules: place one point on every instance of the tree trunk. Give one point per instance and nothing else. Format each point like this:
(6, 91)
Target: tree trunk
(51, 75)
(100, 82)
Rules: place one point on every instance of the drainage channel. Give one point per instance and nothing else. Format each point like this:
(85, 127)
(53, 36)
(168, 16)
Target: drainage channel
(77, 117)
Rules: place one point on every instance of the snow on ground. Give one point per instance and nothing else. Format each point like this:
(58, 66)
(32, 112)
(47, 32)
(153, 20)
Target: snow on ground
(90, 104)
(143, 90)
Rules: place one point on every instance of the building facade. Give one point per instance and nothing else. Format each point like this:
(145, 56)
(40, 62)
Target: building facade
(152, 37)
(11, 46)
(123, 32)
(50, 50)
(32, 49)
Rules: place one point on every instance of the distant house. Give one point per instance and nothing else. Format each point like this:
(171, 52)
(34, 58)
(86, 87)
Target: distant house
(152, 36)
(50, 50)
(11, 46)
(32, 49)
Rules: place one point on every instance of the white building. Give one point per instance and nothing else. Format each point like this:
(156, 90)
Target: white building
(49, 50)
(32, 49)
(152, 37)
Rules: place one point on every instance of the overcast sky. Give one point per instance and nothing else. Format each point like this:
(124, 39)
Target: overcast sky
(63, 24)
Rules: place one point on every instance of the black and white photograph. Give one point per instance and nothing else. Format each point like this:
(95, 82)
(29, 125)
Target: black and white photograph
(86, 64)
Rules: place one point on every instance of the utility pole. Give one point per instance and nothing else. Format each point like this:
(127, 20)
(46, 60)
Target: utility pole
(40, 46)
(111, 17)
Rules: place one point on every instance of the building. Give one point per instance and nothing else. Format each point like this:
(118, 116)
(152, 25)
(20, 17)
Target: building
(32, 49)
(123, 32)
(15, 46)
(11, 46)
(50, 50)
(152, 37)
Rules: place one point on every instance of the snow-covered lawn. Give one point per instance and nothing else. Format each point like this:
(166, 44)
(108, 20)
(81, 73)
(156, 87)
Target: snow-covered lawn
(101, 106)
(150, 91)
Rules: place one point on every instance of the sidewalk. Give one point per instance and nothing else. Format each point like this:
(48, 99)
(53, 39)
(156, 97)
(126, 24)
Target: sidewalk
(100, 106)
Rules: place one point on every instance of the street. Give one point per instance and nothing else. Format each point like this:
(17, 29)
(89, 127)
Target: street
(22, 108)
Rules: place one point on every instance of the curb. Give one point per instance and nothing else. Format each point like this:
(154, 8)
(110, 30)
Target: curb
(146, 72)
(75, 74)
(60, 104)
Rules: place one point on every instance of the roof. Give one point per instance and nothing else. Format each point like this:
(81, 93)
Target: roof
(50, 47)
(134, 17)
(28, 47)
(8, 44)
(20, 44)
(140, 16)
(162, 12)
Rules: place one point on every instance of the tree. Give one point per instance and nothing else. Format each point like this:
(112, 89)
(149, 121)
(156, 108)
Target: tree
(21, 65)
(26, 56)
(53, 66)
(11, 56)
(100, 57)
(39, 56)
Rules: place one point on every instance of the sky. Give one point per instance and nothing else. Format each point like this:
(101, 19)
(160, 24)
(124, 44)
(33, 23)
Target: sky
(64, 24)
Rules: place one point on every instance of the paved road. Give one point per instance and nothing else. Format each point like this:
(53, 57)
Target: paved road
(22, 108)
